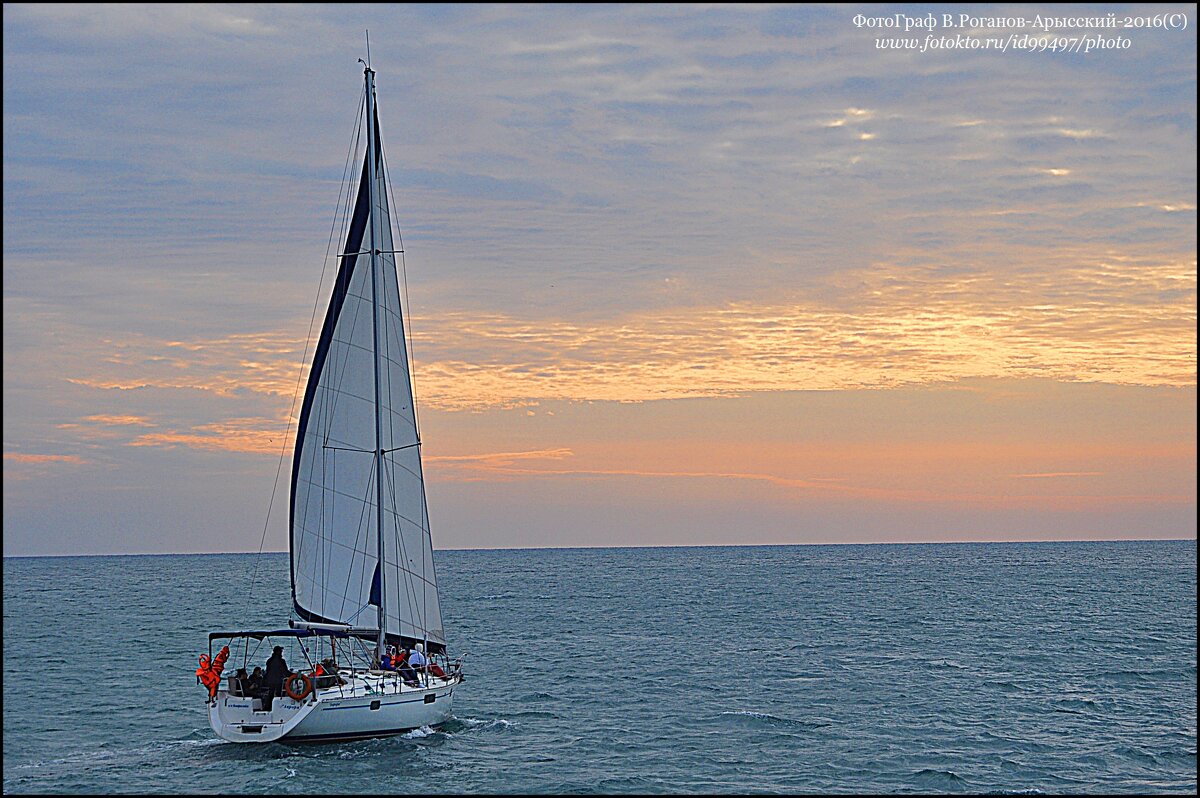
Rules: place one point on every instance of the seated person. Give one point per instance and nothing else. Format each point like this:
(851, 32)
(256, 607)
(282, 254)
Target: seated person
(254, 686)
(237, 682)
(328, 673)
(416, 659)
(404, 669)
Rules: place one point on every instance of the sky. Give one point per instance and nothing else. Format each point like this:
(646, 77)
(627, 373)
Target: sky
(679, 275)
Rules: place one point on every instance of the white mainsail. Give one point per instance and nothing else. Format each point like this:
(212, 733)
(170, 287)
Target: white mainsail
(335, 528)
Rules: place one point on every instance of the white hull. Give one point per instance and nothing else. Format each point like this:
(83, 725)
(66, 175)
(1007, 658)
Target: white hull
(372, 704)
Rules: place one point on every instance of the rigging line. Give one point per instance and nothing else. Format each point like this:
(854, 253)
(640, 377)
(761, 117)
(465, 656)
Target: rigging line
(427, 533)
(318, 556)
(411, 358)
(322, 559)
(327, 540)
(390, 472)
(406, 330)
(362, 525)
(334, 491)
(386, 272)
(304, 359)
(330, 541)
(366, 576)
(402, 552)
(390, 284)
(353, 618)
(428, 537)
(425, 536)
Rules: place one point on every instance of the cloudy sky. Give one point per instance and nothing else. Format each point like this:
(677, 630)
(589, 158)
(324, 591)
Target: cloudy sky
(678, 275)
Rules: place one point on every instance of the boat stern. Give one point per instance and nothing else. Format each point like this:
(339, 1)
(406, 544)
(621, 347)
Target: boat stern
(241, 719)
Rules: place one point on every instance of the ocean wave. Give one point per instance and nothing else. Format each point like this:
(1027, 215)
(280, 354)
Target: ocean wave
(478, 724)
(1008, 687)
(1126, 676)
(767, 719)
(536, 713)
(943, 778)
(1075, 706)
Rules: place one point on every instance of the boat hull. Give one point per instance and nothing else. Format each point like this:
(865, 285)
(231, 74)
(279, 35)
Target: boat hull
(364, 708)
(346, 719)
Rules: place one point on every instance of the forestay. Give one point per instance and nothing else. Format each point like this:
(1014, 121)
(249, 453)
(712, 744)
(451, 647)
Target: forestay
(334, 527)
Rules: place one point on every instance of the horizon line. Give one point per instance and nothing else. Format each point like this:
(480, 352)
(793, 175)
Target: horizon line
(647, 546)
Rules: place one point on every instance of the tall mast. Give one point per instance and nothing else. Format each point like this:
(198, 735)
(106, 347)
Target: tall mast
(372, 145)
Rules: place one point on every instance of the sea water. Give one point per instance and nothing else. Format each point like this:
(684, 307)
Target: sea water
(1019, 667)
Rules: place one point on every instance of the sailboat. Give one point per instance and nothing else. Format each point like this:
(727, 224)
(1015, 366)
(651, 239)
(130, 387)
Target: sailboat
(364, 586)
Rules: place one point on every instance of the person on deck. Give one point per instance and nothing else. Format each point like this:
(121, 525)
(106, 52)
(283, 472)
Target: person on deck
(331, 671)
(416, 659)
(277, 671)
(254, 685)
(239, 682)
(404, 669)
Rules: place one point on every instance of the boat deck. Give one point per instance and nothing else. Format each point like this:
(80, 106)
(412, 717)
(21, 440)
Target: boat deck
(365, 683)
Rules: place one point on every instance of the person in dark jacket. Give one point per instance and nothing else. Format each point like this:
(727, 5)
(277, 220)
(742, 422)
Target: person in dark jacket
(254, 685)
(277, 671)
(404, 669)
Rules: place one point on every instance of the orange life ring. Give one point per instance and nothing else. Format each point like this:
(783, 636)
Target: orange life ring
(298, 695)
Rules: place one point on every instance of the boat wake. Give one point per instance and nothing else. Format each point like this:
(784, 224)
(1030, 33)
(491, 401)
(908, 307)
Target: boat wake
(417, 734)
(477, 725)
(139, 754)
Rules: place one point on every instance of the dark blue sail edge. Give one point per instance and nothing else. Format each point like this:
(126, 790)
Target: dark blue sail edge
(376, 597)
